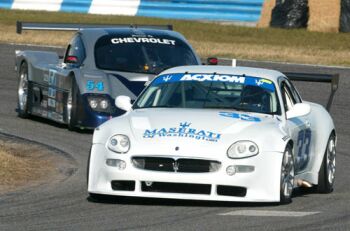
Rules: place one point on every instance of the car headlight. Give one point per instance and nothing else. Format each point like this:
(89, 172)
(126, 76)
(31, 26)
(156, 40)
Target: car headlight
(242, 149)
(119, 144)
(93, 103)
(104, 104)
(99, 103)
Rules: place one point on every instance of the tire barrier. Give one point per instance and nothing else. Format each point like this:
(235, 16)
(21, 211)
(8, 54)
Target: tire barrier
(315, 15)
(290, 14)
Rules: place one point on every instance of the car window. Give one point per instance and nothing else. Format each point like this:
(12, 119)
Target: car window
(287, 96)
(251, 94)
(142, 54)
(76, 48)
(294, 92)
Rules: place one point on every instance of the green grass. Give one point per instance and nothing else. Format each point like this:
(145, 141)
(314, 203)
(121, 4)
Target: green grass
(209, 39)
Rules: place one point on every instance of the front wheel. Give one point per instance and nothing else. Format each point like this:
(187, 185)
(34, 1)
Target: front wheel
(72, 103)
(22, 102)
(326, 175)
(287, 176)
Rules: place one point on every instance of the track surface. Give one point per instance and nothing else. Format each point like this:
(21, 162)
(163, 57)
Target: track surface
(66, 206)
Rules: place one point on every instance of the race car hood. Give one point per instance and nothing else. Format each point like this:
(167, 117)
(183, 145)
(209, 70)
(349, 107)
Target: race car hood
(197, 127)
(210, 125)
(161, 130)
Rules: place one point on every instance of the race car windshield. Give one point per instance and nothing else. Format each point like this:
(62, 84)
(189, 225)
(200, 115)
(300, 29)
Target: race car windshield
(149, 55)
(243, 93)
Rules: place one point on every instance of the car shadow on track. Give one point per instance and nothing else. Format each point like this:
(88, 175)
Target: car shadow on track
(103, 199)
(58, 125)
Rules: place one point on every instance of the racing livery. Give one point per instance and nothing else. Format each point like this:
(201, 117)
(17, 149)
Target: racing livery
(215, 133)
(99, 64)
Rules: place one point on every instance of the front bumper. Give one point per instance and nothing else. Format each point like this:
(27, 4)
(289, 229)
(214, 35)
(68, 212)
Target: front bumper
(260, 185)
(89, 118)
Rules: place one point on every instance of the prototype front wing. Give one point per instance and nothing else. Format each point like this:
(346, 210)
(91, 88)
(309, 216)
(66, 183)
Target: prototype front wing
(256, 179)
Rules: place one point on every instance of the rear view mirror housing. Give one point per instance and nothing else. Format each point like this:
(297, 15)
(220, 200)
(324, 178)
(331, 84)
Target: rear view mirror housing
(212, 61)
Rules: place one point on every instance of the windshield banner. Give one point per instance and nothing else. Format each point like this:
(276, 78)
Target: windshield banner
(239, 79)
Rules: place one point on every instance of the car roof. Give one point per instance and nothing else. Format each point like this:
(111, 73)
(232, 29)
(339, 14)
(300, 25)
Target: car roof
(248, 71)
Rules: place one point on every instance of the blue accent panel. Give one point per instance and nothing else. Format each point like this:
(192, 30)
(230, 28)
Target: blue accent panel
(135, 87)
(79, 6)
(240, 116)
(7, 4)
(221, 10)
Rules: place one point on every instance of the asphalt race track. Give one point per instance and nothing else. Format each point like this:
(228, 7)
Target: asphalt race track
(64, 205)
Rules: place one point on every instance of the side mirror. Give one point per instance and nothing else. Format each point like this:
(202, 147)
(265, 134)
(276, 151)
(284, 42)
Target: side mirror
(299, 109)
(123, 102)
(212, 61)
(71, 59)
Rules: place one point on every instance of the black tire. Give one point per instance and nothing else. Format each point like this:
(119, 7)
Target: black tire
(286, 193)
(325, 181)
(22, 100)
(74, 95)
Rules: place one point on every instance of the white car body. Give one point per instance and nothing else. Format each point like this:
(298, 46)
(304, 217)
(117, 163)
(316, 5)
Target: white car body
(166, 133)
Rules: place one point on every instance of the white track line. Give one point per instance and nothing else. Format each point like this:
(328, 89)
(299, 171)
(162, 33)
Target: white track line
(267, 213)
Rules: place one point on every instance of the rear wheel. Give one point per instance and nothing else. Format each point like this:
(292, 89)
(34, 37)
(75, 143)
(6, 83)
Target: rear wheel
(287, 176)
(23, 91)
(326, 175)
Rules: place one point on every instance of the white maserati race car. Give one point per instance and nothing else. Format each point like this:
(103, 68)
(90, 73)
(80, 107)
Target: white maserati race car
(216, 133)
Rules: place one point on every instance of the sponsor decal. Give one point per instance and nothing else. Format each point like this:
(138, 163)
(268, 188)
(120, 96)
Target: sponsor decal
(51, 103)
(46, 77)
(143, 40)
(238, 79)
(44, 103)
(213, 78)
(55, 116)
(52, 93)
(59, 108)
(243, 117)
(184, 130)
(44, 113)
(52, 77)
(59, 96)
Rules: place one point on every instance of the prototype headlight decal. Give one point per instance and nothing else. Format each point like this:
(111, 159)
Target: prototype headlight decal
(243, 117)
(142, 40)
(239, 79)
(184, 130)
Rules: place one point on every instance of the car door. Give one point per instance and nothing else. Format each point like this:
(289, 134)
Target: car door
(299, 127)
(58, 83)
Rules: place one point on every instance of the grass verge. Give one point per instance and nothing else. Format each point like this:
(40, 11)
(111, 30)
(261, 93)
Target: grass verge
(24, 164)
(209, 39)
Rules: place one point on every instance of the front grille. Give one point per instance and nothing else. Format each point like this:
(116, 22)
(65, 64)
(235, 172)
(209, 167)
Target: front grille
(231, 191)
(166, 164)
(123, 185)
(165, 187)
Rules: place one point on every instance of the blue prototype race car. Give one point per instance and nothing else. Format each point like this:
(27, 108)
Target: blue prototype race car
(100, 63)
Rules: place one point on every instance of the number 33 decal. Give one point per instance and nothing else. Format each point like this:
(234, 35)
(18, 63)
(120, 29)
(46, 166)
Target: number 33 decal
(303, 145)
